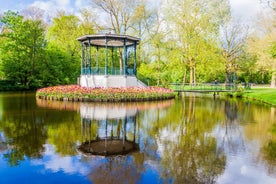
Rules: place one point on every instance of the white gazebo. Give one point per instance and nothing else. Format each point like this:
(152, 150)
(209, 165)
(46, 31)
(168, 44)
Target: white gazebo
(109, 60)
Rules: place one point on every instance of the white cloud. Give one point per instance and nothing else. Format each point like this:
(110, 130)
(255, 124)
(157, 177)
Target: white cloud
(52, 6)
(57, 163)
(47, 6)
(63, 3)
(80, 4)
(245, 9)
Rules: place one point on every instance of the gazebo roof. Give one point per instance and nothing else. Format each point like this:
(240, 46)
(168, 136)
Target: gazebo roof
(113, 40)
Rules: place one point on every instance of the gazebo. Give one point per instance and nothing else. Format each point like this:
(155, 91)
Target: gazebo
(109, 60)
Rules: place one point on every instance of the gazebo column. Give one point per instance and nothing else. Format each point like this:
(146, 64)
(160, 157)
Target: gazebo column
(89, 58)
(86, 60)
(97, 60)
(134, 65)
(112, 62)
(106, 57)
(125, 58)
(83, 58)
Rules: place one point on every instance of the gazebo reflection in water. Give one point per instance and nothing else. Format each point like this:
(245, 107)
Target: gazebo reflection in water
(108, 130)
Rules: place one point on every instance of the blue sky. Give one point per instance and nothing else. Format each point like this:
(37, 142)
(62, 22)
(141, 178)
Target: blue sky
(50, 6)
(245, 9)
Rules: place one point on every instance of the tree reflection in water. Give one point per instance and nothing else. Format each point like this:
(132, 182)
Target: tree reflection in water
(188, 153)
(233, 141)
(119, 169)
(187, 140)
(269, 148)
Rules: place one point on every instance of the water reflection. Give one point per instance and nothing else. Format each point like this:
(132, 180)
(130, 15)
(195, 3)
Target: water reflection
(111, 129)
(24, 132)
(115, 129)
(232, 141)
(189, 153)
(187, 140)
(269, 148)
(107, 128)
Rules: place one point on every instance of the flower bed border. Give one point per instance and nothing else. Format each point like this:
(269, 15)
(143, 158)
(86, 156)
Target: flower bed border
(77, 93)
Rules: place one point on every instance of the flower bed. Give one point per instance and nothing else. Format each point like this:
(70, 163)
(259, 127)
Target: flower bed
(78, 93)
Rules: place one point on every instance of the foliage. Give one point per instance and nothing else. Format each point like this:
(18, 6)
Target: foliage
(64, 49)
(58, 68)
(273, 50)
(30, 61)
(194, 30)
(22, 48)
(197, 42)
(261, 44)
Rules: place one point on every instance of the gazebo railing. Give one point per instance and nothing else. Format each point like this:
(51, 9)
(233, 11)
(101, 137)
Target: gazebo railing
(101, 71)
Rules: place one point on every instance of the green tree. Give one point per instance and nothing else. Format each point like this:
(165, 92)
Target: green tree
(57, 67)
(260, 44)
(194, 29)
(22, 48)
(64, 51)
(64, 31)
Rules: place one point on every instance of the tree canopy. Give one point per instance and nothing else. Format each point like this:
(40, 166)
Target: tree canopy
(199, 41)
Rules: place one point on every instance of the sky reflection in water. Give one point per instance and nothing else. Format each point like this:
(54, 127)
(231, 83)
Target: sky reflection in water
(189, 140)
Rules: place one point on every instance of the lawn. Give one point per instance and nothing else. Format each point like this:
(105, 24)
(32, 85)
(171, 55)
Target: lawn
(266, 95)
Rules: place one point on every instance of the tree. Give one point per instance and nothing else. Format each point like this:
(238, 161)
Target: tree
(62, 35)
(233, 41)
(64, 31)
(270, 3)
(125, 17)
(120, 14)
(22, 48)
(194, 28)
(261, 44)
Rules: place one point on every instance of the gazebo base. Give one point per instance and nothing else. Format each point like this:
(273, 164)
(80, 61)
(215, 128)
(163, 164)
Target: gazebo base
(114, 81)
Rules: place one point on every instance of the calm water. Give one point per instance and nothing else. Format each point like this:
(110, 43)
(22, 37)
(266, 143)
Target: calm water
(187, 140)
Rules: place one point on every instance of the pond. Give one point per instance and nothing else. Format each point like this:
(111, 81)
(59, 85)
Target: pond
(190, 139)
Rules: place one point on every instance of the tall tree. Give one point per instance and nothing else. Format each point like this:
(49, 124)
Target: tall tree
(22, 48)
(64, 31)
(233, 42)
(119, 14)
(124, 17)
(262, 43)
(194, 28)
(62, 35)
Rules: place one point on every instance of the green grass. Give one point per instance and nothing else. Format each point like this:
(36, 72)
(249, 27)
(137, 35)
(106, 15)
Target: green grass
(266, 95)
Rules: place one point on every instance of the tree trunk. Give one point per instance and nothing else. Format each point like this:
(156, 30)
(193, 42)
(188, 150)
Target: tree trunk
(273, 80)
(191, 72)
(195, 74)
(184, 77)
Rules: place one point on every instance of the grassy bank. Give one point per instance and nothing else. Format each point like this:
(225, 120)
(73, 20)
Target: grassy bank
(265, 95)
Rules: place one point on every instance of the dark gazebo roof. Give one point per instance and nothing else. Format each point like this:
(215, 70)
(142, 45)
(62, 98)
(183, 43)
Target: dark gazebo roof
(112, 40)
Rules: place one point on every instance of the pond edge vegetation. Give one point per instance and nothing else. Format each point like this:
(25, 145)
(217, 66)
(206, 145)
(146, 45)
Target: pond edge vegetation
(100, 94)
(262, 95)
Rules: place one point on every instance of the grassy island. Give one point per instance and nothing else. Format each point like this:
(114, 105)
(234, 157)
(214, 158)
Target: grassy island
(78, 93)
